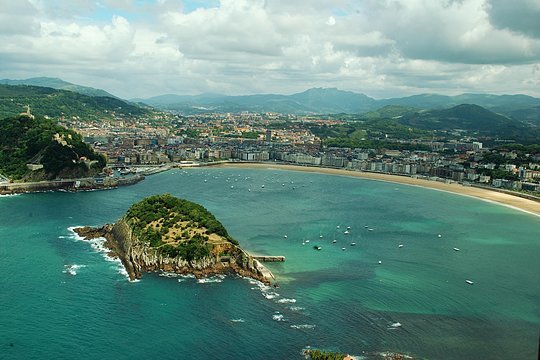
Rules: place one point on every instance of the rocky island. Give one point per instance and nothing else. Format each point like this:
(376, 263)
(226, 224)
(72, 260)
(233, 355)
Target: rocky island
(165, 233)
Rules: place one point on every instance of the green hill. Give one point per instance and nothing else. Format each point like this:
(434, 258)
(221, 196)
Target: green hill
(177, 227)
(58, 84)
(476, 120)
(62, 103)
(62, 153)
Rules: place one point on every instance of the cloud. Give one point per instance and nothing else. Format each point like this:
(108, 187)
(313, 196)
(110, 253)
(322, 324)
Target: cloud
(522, 17)
(382, 48)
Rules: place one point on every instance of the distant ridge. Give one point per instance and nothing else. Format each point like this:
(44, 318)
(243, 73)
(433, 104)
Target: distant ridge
(335, 101)
(46, 101)
(58, 84)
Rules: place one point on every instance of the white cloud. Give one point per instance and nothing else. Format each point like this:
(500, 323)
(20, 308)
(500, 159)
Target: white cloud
(382, 48)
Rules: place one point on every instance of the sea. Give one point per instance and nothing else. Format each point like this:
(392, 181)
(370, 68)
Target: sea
(402, 286)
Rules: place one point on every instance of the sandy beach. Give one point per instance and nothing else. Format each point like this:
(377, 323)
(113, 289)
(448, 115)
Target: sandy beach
(516, 202)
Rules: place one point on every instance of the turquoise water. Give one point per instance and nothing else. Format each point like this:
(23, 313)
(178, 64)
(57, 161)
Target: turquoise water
(332, 299)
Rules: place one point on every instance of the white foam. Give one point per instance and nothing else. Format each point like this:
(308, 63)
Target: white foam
(286, 301)
(303, 326)
(9, 195)
(270, 295)
(212, 279)
(296, 308)
(98, 244)
(72, 269)
(238, 320)
(278, 317)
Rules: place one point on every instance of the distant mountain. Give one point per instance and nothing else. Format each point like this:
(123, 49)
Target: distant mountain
(334, 101)
(310, 101)
(46, 101)
(59, 84)
(473, 118)
(499, 103)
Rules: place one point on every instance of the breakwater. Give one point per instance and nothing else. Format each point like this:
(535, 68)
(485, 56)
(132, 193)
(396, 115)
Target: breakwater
(68, 185)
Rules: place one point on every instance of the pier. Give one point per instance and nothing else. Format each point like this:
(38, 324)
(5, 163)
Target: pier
(268, 258)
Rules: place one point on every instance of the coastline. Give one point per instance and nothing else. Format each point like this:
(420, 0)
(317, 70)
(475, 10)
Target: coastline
(515, 202)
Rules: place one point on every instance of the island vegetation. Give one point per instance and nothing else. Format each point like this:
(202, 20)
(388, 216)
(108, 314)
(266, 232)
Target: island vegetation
(35, 148)
(176, 227)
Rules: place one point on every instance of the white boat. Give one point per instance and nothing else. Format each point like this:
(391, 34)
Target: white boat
(353, 244)
(343, 249)
(285, 236)
(348, 227)
(346, 232)
(306, 241)
(262, 186)
(439, 235)
(469, 282)
(320, 236)
(456, 249)
(317, 247)
(380, 262)
(370, 229)
(400, 245)
(334, 241)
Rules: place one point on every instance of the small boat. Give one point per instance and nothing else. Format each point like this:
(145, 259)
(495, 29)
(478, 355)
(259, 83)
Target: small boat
(303, 243)
(306, 241)
(285, 236)
(320, 236)
(380, 262)
(456, 249)
(400, 245)
(317, 247)
(370, 229)
(346, 232)
(337, 227)
(439, 236)
(262, 186)
(353, 244)
(365, 226)
(348, 228)
(469, 282)
(343, 249)
(334, 241)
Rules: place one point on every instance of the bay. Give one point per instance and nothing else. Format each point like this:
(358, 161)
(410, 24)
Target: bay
(60, 298)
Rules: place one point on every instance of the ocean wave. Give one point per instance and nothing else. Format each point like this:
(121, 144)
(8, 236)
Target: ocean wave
(98, 244)
(286, 301)
(238, 320)
(303, 326)
(72, 269)
(212, 279)
(9, 195)
(278, 317)
(74, 235)
(270, 295)
(296, 308)
(394, 326)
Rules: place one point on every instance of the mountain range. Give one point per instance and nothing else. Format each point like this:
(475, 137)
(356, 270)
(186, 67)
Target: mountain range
(334, 101)
(514, 117)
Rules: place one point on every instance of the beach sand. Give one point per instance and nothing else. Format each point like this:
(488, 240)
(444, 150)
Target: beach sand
(516, 202)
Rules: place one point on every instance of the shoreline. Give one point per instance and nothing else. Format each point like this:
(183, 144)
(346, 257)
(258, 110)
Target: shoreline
(515, 202)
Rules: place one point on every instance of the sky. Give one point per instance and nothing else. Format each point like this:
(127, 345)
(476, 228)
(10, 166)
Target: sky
(382, 48)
